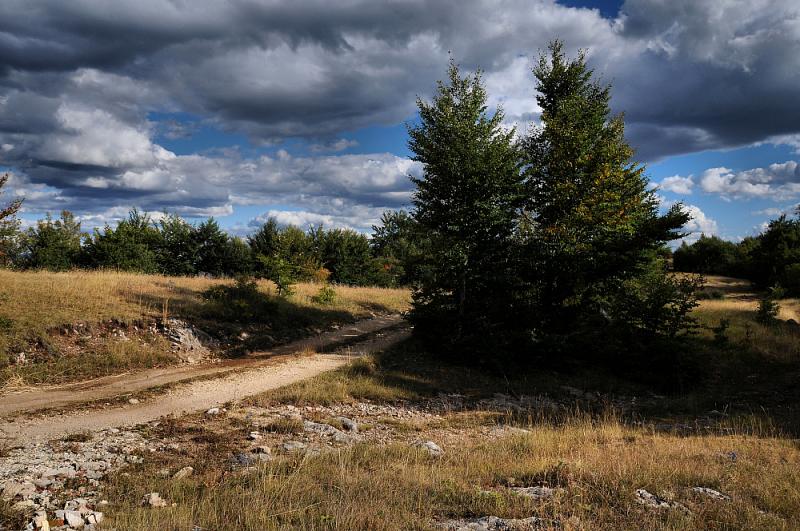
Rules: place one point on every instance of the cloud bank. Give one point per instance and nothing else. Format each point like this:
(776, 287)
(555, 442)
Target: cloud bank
(80, 82)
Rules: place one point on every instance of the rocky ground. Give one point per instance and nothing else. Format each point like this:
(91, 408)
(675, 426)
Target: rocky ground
(59, 483)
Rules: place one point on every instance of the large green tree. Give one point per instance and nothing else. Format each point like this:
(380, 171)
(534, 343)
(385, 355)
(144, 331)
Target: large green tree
(591, 223)
(466, 203)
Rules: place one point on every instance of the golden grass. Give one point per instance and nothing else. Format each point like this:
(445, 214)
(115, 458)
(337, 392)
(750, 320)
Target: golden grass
(32, 303)
(45, 299)
(597, 465)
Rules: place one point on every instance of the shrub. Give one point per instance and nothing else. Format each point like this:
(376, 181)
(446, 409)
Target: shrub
(721, 332)
(325, 296)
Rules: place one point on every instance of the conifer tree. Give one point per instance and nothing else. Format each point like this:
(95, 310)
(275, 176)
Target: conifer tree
(591, 221)
(466, 203)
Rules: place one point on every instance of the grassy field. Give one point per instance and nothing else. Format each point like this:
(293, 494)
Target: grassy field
(732, 427)
(34, 306)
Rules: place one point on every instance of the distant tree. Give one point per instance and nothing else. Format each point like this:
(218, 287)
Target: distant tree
(54, 244)
(9, 228)
(178, 249)
(238, 258)
(130, 246)
(266, 240)
(466, 204)
(709, 255)
(590, 221)
(776, 258)
(347, 255)
(398, 243)
(212, 248)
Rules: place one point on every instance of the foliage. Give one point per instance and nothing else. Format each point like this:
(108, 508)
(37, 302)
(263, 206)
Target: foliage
(591, 223)
(656, 303)
(709, 255)
(772, 257)
(466, 204)
(279, 271)
(399, 245)
(53, 244)
(130, 246)
(768, 307)
(178, 247)
(325, 296)
(9, 228)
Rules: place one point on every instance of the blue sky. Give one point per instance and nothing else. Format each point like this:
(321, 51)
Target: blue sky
(254, 109)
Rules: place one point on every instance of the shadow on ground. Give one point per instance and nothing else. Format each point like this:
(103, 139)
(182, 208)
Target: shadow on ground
(246, 318)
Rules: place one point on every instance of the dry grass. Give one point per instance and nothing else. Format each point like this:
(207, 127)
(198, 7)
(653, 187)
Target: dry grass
(34, 303)
(597, 465)
(596, 460)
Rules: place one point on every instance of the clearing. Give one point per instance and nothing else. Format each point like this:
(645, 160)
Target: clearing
(402, 439)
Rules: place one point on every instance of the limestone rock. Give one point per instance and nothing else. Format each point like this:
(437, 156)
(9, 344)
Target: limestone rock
(711, 493)
(153, 499)
(431, 447)
(183, 473)
(537, 493)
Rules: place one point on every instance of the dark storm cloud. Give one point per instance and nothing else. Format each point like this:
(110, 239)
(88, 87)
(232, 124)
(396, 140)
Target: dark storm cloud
(78, 80)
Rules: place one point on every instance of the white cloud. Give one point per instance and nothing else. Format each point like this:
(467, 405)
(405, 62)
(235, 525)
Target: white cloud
(778, 181)
(677, 184)
(699, 224)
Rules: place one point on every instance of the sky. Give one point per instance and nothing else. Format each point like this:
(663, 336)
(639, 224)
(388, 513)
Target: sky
(246, 109)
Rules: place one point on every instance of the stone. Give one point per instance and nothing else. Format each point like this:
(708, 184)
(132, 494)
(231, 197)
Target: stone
(183, 473)
(12, 489)
(657, 502)
(40, 521)
(153, 499)
(24, 505)
(254, 436)
(95, 517)
(213, 411)
(711, 493)
(262, 449)
(243, 459)
(133, 401)
(537, 493)
(493, 523)
(73, 519)
(348, 424)
(431, 447)
(293, 446)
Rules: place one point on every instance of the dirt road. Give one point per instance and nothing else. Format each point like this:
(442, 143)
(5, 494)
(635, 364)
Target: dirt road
(259, 372)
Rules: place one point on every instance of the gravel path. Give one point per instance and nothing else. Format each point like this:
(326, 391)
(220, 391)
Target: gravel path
(261, 375)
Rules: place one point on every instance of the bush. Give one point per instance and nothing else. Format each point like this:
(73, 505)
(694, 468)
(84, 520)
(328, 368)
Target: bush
(768, 307)
(325, 296)
(657, 303)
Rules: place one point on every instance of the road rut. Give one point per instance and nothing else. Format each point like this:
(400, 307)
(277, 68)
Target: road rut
(234, 380)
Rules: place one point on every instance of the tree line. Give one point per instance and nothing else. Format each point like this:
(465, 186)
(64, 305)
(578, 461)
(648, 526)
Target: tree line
(173, 246)
(770, 260)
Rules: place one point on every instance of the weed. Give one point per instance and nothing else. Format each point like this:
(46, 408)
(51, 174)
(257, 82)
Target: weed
(325, 296)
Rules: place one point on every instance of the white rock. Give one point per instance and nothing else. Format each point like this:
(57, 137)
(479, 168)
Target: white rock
(73, 519)
(153, 499)
(348, 424)
(40, 521)
(537, 493)
(293, 446)
(184, 472)
(95, 517)
(431, 447)
(254, 436)
(711, 493)
(213, 411)
(133, 401)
